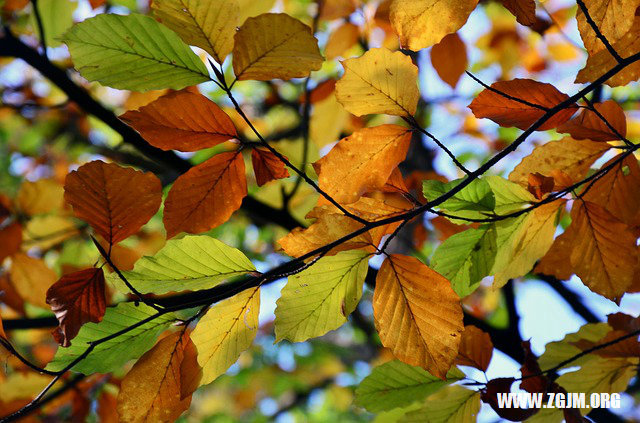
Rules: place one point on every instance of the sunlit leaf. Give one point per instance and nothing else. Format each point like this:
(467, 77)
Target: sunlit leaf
(449, 59)
(452, 404)
(476, 349)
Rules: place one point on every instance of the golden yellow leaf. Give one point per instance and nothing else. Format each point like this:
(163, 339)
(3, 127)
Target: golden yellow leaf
(46, 231)
(39, 197)
(341, 40)
(379, 82)
(225, 331)
(362, 162)
(250, 8)
(423, 23)
(275, 46)
(614, 18)
(417, 314)
(150, 392)
(209, 24)
(31, 278)
(328, 120)
(449, 59)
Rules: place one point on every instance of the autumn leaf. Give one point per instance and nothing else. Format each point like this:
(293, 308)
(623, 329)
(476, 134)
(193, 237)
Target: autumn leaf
(379, 82)
(588, 125)
(614, 18)
(417, 314)
(31, 278)
(114, 200)
(206, 196)
(452, 404)
(476, 349)
(449, 59)
(423, 23)
(341, 40)
(182, 121)
(267, 166)
(40, 197)
(362, 162)
(75, 299)
(523, 10)
(275, 46)
(521, 103)
(556, 261)
(540, 185)
(10, 240)
(336, 9)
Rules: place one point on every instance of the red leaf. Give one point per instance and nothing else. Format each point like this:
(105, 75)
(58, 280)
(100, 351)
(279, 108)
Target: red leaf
(10, 240)
(267, 166)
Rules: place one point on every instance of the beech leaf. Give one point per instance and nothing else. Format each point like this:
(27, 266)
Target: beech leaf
(267, 166)
(449, 59)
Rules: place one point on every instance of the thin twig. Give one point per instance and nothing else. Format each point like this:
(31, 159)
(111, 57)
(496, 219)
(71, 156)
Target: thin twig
(43, 40)
(601, 37)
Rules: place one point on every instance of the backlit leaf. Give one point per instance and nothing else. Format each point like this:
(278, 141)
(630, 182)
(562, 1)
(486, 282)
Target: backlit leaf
(39, 197)
(449, 58)
(31, 277)
(475, 200)
(559, 351)
(341, 40)
(588, 125)
(10, 240)
(267, 166)
(476, 349)
(614, 18)
(523, 10)
(452, 404)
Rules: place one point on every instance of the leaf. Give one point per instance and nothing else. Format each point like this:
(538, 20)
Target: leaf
(31, 277)
(114, 200)
(540, 185)
(46, 231)
(452, 404)
(341, 40)
(449, 59)
(275, 46)
(40, 197)
(56, 17)
(417, 314)
(523, 10)
(10, 240)
(604, 250)
(509, 196)
(209, 25)
(475, 200)
(588, 125)
(396, 384)
(601, 62)
(182, 121)
(250, 8)
(362, 162)
(476, 349)
(75, 299)
(614, 18)
(110, 355)
(267, 166)
(206, 196)
(319, 299)
(150, 392)
(133, 52)
(466, 257)
(560, 351)
(379, 82)
(557, 262)
(423, 23)
(528, 101)
(567, 155)
(190, 263)
(225, 331)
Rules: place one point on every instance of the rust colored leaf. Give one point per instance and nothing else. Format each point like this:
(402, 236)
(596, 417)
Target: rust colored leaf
(475, 349)
(523, 10)
(556, 262)
(76, 299)
(588, 125)
(10, 240)
(510, 110)
(267, 166)
(539, 185)
(206, 196)
(417, 314)
(532, 381)
(449, 59)
(190, 370)
(114, 200)
(182, 121)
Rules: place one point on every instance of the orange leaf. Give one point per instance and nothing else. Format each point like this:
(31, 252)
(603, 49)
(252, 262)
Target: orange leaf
(9, 296)
(588, 125)
(362, 161)
(150, 392)
(182, 121)
(539, 185)
(539, 97)
(557, 262)
(114, 200)
(267, 166)
(31, 278)
(190, 370)
(417, 314)
(449, 59)
(523, 10)
(475, 349)
(341, 40)
(107, 408)
(206, 196)
(396, 183)
(76, 299)
(10, 240)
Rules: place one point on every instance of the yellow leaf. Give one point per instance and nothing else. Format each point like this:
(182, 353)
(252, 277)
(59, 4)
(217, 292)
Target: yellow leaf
(614, 18)
(46, 231)
(328, 120)
(39, 197)
(449, 59)
(150, 392)
(225, 331)
(417, 314)
(209, 24)
(275, 46)
(379, 82)
(31, 278)
(250, 8)
(423, 23)
(362, 162)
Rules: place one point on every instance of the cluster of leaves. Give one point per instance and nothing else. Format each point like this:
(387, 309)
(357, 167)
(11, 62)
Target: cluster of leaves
(188, 310)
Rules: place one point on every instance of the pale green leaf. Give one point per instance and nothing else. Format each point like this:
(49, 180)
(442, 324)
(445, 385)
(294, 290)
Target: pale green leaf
(475, 200)
(57, 17)
(559, 351)
(509, 195)
(320, 298)
(133, 52)
(453, 404)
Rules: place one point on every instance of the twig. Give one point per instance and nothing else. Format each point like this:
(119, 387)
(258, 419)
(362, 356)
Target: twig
(601, 37)
(43, 39)
(507, 96)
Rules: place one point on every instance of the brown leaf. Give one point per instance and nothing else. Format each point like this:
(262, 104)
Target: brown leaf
(588, 125)
(9, 295)
(267, 166)
(31, 278)
(114, 200)
(629, 347)
(539, 185)
(449, 59)
(556, 262)
(182, 121)
(417, 314)
(475, 349)
(532, 381)
(523, 10)
(490, 396)
(206, 196)
(107, 408)
(76, 299)
(190, 370)
(511, 112)
(10, 240)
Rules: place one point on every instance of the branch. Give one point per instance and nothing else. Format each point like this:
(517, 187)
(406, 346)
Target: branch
(601, 37)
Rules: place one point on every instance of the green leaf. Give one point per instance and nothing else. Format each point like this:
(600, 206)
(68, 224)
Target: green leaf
(396, 384)
(191, 263)
(453, 404)
(112, 354)
(320, 298)
(133, 52)
(57, 17)
(509, 195)
(559, 351)
(476, 200)
(466, 257)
